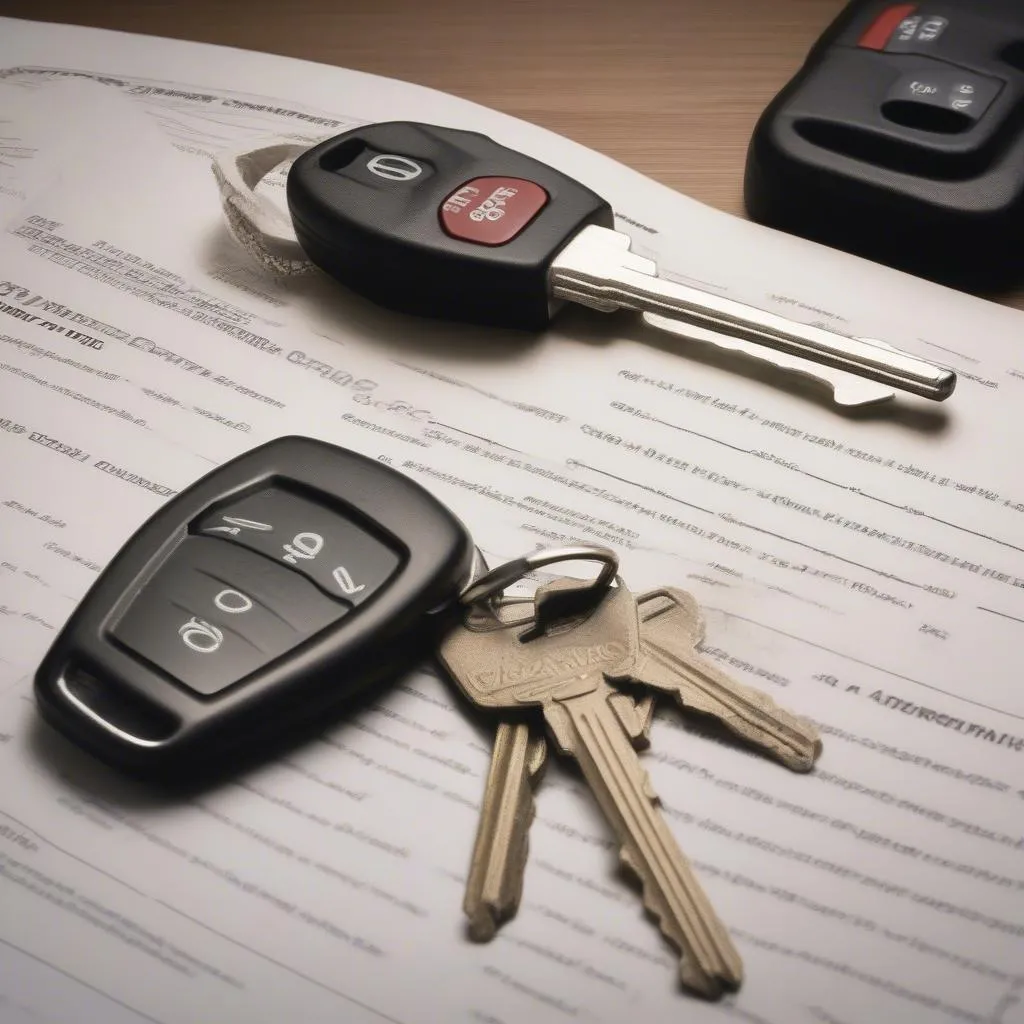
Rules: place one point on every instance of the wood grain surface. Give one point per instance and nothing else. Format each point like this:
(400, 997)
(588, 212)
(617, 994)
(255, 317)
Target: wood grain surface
(671, 87)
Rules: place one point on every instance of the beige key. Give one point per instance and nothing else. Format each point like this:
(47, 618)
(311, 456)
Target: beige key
(565, 672)
(498, 863)
(672, 627)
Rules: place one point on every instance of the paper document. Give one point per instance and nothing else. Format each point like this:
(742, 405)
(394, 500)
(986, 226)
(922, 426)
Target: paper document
(866, 570)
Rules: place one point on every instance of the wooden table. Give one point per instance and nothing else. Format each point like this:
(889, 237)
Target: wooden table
(671, 87)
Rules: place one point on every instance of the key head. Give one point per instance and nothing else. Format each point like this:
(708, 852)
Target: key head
(438, 222)
(669, 612)
(279, 584)
(495, 668)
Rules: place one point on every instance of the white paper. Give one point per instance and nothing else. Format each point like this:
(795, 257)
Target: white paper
(864, 569)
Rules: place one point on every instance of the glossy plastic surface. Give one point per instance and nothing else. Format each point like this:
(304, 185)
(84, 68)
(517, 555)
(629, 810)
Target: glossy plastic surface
(378, 207)
(111, 680)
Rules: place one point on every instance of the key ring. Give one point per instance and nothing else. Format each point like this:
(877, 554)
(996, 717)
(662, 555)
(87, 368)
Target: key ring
(492, 583)
(263, 230)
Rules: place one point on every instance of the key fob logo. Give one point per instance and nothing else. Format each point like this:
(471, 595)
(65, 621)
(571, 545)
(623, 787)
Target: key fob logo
(393, 167)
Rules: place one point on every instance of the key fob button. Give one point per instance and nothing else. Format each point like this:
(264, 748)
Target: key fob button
(340, 557)
(492, 210)
(214, 613)
(918, 34)
(945, 100)
(888, 25)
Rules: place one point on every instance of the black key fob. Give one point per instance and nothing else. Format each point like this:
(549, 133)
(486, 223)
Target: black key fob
(438, 222)
(279, 584)
(901, 139)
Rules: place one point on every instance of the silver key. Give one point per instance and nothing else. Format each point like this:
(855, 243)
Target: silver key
(847, 388)
(565, 672)
(597, 269)
(672, 629)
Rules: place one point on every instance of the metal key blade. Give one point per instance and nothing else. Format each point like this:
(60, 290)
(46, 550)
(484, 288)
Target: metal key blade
(498, 864)
(672, 627)
(590, 733)
(847, 388)
(597, 269)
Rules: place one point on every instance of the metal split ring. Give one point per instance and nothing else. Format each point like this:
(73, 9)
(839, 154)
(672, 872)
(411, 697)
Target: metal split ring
(492, 583)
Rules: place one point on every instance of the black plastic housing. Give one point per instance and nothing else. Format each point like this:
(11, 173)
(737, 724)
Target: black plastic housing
(383, 238)
(88, 681)
(842, 156)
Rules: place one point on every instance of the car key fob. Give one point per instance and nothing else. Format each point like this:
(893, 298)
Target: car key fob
(277, 585)
(450, 224)
(438, 222)
(901, 139)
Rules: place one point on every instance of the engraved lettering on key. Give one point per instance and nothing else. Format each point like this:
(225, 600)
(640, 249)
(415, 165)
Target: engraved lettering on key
(200, 636)
(346, 584)
(234, 602)
(238, 524)
(566, 674)
(304, 546)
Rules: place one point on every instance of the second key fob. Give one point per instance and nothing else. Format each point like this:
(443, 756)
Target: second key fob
(901, 139)
(280, 583)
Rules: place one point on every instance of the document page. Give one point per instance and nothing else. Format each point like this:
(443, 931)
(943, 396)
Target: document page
(864, 568)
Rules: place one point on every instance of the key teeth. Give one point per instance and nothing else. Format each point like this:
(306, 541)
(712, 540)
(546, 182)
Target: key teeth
(711, 987)
(711, 984)
(628, 866)
(671, 664)
(495, 884)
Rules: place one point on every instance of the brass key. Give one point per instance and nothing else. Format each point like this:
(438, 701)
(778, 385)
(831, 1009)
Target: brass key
(565, 671)
(498, 863)
(672, 629)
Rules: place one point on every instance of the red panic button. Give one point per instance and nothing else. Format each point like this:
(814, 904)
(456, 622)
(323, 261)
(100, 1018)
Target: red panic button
(492, 211)
(884, 25)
